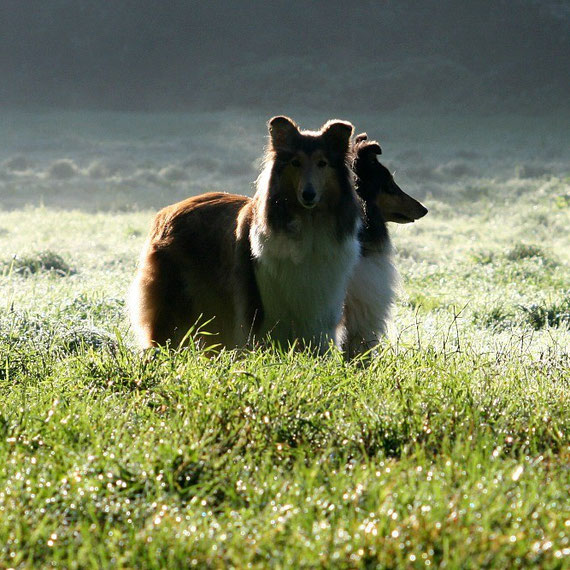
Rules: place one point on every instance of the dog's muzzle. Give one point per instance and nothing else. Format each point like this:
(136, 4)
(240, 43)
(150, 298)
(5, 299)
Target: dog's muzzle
(309, 196)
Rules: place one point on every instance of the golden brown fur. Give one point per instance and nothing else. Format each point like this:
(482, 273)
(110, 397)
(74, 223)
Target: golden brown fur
(206, 260)
(189, 273)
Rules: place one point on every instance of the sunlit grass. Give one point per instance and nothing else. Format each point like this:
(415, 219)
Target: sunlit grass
(264, 457)
(450, 445)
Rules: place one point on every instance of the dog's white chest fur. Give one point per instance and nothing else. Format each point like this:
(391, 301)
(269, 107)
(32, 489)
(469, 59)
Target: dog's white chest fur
(369, 298)
(302, 281)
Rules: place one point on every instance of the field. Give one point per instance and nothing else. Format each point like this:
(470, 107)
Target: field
(449, 447)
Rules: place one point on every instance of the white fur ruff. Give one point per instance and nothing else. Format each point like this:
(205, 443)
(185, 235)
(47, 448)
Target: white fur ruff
(302, 280)
(369, 299)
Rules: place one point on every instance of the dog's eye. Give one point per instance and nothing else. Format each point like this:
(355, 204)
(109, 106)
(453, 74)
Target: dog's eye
(322, 163)
(296, 163)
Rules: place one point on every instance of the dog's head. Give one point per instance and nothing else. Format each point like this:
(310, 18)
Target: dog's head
(375, 184)
(311, 164)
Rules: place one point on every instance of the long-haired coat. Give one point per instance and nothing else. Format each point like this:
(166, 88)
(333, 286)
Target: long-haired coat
(274, 266)
(372, 287)
(303, 232)
(193, 272)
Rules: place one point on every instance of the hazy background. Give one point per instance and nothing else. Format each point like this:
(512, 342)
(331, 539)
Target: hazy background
(183, 54)
(136, 103)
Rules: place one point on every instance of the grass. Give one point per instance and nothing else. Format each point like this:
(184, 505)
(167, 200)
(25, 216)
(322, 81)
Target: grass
(46, 261)
(449, 448)
(113, 460)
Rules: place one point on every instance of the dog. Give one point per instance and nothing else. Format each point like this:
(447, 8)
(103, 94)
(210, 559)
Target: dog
(372, 287)
(272, 267)
(305, 218)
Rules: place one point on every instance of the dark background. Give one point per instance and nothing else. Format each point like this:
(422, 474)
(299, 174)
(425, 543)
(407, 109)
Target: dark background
(491, 56)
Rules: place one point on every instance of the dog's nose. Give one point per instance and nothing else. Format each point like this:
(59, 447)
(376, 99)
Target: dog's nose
(308, 194)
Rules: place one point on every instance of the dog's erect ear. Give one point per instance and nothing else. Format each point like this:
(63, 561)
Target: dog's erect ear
(283, 132)
(370, 147)
(337, 134)
(361, 137)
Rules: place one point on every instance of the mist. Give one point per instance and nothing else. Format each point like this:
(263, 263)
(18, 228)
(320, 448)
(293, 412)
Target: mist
(138, 55)
(135, 104)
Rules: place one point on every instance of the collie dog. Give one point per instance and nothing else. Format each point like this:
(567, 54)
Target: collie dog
(372, 287)
(275, 266)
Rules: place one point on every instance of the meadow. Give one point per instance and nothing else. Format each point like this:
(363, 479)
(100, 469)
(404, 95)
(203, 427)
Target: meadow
(448, 447)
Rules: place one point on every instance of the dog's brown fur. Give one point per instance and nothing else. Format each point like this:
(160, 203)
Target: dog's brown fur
(205, 259)
(190, 270)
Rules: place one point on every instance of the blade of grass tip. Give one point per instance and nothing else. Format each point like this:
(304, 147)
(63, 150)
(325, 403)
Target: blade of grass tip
(291, 350)
(122, 354)
(11, 266)
(197, 329)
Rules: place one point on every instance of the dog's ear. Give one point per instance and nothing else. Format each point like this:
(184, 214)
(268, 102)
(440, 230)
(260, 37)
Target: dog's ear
(372, 147)
(337, 134)
(367, 148)
(283, 132)
(361, 137)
